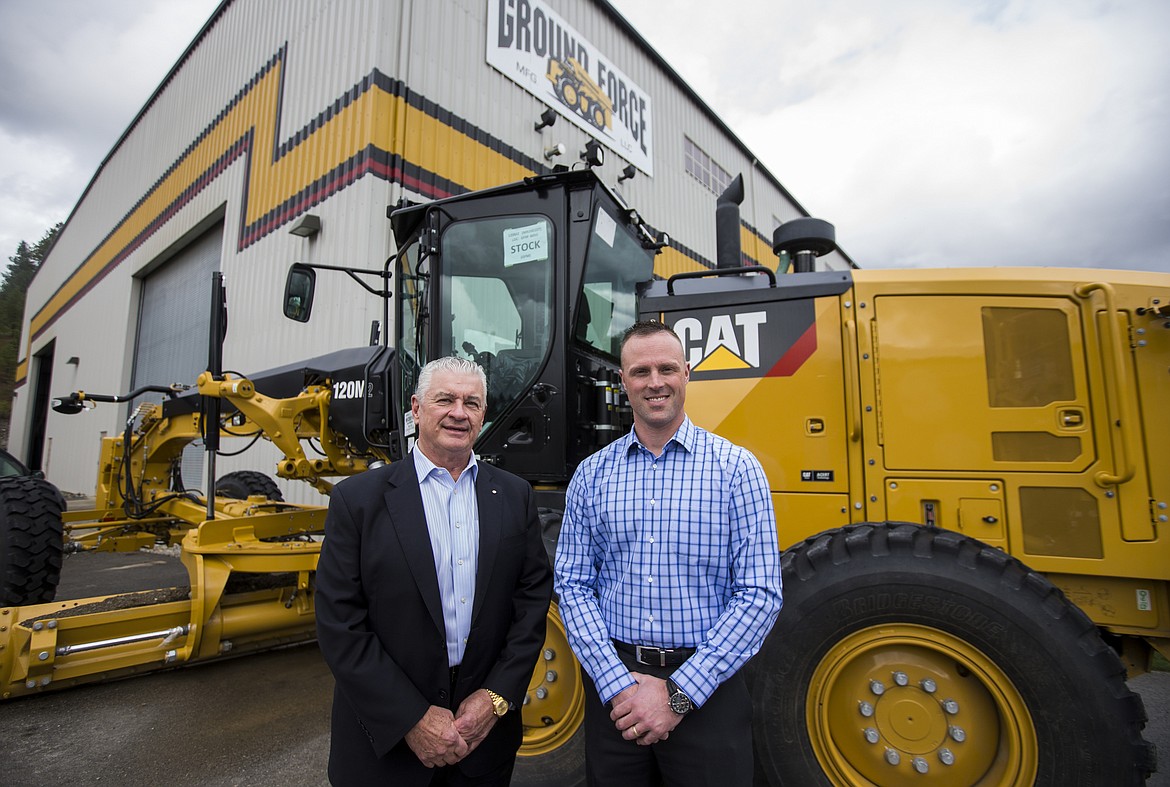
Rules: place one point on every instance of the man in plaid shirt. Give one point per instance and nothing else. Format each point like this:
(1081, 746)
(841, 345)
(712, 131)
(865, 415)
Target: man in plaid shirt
(668, 573)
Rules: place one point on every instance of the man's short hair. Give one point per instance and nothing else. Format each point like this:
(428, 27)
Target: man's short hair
(644, 328)
(449, 363)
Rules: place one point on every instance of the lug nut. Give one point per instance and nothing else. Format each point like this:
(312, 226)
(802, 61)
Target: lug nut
(928, 685)
(901, 678)
(549, 654)
(958, 733)
(950, 706)
(541, 693)
(946, 756)
(550, 676)
(871, 735)
(892, 757)
(920, 765)
(865, 708)
(877, 687)
(527, 699)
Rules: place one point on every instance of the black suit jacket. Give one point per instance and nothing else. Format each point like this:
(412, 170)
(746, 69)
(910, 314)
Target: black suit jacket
(380, 620)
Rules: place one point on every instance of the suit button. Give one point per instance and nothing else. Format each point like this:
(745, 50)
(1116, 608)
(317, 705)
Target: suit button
(442, 694)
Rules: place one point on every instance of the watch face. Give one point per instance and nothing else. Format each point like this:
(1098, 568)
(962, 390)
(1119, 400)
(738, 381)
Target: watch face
(680, 703)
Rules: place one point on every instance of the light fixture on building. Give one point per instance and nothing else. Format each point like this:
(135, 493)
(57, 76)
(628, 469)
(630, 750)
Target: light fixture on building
(306, 226)
(593, 155)
(73, 361)
(628, 173)
(547, 118)
(553, 151)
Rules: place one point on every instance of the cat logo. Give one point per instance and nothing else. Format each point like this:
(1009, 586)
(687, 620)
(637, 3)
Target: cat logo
(761, 340)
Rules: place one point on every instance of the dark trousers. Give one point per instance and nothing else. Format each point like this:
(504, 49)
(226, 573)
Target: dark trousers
(710, 747)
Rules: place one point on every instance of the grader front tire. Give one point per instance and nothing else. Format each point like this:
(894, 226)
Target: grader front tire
(241, 484)
(32, 541)
(910, 655)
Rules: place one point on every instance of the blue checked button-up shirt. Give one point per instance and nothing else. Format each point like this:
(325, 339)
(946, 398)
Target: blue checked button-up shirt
(675, 551)
(453, 522)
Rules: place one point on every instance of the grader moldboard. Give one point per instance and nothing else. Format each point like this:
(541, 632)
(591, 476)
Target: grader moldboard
(924, 434)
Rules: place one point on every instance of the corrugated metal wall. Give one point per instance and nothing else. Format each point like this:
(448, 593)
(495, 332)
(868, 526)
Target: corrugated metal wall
(336, 108)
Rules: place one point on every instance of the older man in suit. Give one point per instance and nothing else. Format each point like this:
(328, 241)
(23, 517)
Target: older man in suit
(432, 593)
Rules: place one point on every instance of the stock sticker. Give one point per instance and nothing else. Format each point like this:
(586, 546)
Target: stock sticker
(526, 244)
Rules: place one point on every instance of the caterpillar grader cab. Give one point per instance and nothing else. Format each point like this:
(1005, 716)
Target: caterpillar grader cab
(964, 467)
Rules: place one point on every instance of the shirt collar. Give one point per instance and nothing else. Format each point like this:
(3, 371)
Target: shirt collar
(423, 466)
(684, 436)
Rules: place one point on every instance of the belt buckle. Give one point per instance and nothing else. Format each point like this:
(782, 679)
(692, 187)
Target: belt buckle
(660, 652)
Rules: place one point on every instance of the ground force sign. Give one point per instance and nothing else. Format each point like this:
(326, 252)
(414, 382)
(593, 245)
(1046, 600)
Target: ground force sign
(531, 45)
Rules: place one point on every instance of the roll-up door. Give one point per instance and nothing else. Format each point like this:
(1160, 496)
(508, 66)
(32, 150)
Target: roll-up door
(171, 346)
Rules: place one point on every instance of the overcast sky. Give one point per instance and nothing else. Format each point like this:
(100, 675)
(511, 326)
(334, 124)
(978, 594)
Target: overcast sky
(931, 132)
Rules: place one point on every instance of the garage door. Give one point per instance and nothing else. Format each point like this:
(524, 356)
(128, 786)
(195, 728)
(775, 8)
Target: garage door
(171, 346)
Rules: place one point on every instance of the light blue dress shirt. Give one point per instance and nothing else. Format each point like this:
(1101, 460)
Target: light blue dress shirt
(453, 523)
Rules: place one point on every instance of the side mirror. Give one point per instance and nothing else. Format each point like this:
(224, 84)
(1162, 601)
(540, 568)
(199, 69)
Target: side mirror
(68, 405)
(298, 292)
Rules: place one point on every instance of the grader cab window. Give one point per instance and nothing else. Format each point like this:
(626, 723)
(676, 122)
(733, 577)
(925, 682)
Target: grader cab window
(496, 300)
(615, 263)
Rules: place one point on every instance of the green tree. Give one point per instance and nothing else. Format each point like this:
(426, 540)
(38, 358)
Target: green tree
(22, 267)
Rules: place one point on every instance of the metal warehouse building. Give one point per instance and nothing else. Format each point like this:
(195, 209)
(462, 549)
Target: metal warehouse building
(282, 135)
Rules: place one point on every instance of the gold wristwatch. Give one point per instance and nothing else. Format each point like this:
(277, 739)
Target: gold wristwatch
(499, 704)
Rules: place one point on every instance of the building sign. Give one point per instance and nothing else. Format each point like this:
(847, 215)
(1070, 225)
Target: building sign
(528, 43)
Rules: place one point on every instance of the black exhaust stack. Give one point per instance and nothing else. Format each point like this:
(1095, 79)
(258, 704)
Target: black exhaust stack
(727, 249)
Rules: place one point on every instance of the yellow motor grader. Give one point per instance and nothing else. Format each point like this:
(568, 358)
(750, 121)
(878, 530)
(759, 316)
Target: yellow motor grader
(965, 467)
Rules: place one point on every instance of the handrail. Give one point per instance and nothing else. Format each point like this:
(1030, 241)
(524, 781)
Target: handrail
(852, 394)
(720, 272)
(1116, 404)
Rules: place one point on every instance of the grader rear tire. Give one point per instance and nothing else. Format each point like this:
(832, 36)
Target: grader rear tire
(32, 541)
(241, 484)
(909, 655)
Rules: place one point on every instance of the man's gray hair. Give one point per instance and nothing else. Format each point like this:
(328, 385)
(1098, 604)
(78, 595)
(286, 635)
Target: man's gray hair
(449, 363)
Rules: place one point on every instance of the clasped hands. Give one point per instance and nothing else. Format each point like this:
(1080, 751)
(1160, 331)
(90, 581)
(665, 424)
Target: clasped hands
(444, 738)
(642, 712)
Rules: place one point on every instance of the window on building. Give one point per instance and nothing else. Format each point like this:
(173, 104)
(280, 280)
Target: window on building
(703, 169)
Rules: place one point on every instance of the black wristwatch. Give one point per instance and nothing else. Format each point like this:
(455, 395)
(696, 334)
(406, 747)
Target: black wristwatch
(679, 702)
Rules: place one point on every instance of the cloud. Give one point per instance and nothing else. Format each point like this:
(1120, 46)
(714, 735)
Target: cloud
(75, 75)
(949, 133)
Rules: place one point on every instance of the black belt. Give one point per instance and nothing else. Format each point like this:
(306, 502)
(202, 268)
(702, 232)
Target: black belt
(655, 657)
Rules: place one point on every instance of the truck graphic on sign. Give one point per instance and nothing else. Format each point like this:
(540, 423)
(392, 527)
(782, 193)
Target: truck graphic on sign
(577, 90)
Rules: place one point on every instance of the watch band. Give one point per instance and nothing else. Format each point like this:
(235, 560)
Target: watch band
(677, 699)
(500, 705)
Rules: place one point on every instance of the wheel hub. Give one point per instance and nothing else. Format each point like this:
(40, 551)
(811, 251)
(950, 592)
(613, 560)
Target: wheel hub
(893, 705)
(554, 705)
